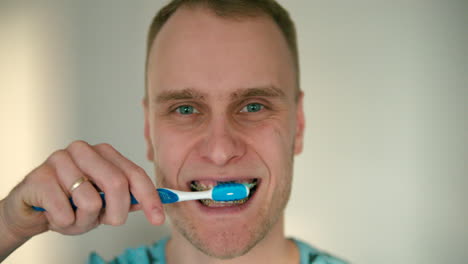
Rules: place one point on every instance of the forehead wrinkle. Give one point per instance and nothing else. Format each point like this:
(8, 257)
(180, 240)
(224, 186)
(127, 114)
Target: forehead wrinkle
(266, 91)
(185, 94)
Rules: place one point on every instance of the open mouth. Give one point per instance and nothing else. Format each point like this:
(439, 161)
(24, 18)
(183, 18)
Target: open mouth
(207, 185)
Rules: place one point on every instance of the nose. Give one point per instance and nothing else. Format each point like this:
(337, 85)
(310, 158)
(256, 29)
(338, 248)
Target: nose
(221, 144)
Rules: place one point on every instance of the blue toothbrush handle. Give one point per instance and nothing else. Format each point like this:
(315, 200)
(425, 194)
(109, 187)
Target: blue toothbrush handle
(165, 195)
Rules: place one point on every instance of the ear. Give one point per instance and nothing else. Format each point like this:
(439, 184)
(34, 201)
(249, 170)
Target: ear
(300, 125)
(149, 145)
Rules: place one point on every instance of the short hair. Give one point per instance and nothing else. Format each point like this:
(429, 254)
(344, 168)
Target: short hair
(234, 9)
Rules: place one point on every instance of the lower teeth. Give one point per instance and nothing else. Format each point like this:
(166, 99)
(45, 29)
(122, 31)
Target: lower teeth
(208, 202)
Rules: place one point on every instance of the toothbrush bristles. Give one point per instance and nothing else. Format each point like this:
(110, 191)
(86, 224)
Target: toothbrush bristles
(249, 185)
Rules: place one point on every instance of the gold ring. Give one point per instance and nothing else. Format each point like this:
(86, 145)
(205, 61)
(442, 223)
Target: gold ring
(77, 183)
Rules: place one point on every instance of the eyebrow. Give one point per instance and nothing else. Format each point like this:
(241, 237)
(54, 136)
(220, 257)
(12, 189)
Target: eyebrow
(267, 91)
(185, 94)
(190, 94)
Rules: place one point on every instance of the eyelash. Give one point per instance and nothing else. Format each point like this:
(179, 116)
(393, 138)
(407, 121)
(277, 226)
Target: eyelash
(243, 104)
(173, 109)
(251, 104)
(264, 105)
(178, 110)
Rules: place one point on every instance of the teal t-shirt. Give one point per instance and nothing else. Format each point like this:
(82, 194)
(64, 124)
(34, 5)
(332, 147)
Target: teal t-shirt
(156, 254)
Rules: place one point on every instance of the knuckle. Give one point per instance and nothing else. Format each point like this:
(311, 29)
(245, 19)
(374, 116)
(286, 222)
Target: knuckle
(115, 221)
(118, 183)
(42, 177)
(58, 156)
(106, 147)
(78, 146)
(46, 171)
(64, 220)
(91, 205)
(139, 172)
(67, 221)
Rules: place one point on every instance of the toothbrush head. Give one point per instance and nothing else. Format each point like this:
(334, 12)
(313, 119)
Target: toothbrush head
(230, 192)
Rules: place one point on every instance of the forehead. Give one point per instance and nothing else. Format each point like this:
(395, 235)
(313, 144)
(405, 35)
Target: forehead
(197, 49)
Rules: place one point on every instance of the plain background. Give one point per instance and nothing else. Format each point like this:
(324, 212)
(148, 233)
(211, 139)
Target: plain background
(383, 176)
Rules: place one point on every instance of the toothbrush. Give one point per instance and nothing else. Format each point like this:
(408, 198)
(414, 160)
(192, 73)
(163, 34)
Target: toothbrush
(220, 193)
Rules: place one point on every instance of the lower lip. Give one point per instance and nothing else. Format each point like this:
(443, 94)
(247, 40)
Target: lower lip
(227, 209)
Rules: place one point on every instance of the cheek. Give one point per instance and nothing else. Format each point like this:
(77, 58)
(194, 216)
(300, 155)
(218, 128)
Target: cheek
(171, 148)
(273, 139)
(274, 145)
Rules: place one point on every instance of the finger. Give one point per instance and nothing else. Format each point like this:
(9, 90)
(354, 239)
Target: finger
(107, 177)
(54, 200)
(42, 189)
(140, 184)
(136, 207)
(89, 206)
(85, 196)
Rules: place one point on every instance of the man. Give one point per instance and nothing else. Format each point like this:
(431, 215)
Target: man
(222, 104)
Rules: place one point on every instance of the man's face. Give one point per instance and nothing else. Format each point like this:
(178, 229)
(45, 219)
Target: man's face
(221, 107)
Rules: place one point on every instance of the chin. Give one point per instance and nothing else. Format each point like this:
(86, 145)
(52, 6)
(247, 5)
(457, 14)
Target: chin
(223, 239)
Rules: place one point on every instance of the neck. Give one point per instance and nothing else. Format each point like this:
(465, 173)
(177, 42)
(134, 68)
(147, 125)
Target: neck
(274, 248)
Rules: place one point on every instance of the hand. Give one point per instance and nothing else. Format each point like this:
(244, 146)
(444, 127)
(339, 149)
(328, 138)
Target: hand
(48, 186)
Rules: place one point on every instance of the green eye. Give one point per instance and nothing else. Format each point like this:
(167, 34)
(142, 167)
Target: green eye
(186, 110)
(253, 107)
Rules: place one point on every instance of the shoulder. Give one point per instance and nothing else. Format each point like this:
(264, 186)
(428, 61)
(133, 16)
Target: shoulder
(154, 254)
(311, 255)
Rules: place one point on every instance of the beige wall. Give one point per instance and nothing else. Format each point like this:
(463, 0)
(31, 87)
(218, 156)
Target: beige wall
(383, 175)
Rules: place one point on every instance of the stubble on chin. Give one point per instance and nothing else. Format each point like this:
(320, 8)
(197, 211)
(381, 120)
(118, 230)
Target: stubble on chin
(226, 241)
(223, 241)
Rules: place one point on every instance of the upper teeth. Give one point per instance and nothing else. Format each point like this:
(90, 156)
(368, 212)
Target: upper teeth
(195, 185)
